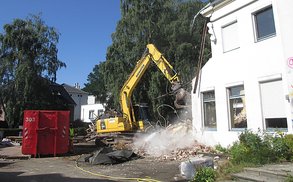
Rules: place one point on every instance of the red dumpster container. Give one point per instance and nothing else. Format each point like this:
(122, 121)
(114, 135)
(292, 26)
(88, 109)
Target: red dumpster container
(45, 132)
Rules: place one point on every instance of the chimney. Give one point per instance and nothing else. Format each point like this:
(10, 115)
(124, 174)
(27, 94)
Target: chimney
(77, 85)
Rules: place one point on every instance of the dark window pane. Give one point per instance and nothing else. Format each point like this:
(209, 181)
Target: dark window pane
(210, 115)
(265, 24)
(276, 122)
(209, 109)
(236, 91)
(209, 96)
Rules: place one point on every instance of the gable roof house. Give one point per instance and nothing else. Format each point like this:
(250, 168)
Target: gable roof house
(79, 96)
(91, 110)
(248, 81)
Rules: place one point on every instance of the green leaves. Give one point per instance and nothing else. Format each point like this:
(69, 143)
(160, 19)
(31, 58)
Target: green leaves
(165, 23)
(28, 53)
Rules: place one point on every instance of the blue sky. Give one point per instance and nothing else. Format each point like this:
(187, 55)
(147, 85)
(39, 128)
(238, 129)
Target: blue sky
(85, 27)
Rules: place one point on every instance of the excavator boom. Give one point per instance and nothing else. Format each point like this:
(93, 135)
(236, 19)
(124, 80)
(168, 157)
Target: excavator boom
(128, 120)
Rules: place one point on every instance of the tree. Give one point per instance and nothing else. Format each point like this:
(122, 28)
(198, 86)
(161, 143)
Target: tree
(165, 23)
(96, 85)
(28, 54)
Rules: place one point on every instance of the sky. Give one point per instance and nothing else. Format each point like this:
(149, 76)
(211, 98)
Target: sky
(85, 28)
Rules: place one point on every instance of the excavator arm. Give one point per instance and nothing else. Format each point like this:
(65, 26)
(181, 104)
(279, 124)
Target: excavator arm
(151, 54)
(128, 122)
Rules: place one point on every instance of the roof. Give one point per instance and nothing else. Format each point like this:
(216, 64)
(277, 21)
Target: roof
(213, 6)
(59, 90)
(71, 89)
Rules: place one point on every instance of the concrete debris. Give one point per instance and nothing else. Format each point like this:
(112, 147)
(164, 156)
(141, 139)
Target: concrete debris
(179, 153)
(172, 143)
(188, 168)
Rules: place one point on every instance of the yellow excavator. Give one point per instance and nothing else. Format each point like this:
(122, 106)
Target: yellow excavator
(133, 117)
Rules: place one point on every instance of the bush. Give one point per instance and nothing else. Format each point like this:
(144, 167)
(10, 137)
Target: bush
(205, 174)
(288, 139)
(81, 131)
(251, 148)
(256, 148)
(221, 149)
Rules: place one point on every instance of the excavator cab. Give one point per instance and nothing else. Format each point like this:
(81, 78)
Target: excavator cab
(141, 114)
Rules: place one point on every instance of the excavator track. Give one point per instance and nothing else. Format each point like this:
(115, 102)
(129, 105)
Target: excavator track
(114, 139)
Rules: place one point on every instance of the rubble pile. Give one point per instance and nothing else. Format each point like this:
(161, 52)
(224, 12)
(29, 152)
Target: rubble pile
(179, 153)
(172, 143)
(187, 152)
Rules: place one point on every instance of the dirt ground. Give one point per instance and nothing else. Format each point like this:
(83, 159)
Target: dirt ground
(66, 168)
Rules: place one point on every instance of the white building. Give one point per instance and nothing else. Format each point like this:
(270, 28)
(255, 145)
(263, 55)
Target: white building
(248, 81)
(80, 98)
(93, 109)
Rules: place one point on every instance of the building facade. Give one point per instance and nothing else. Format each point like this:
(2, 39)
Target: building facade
(248, 81)
(80, 98)
(91, 110)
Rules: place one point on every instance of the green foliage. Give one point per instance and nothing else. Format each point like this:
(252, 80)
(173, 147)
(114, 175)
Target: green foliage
(221, 149)
(28, 54)
(257, 148)
(96, 83)
(166, 24)
(254, 149)
(289, 178)
(205, 174)
(288, 140)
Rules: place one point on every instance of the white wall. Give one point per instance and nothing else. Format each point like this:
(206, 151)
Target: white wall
(253, 62)
(285, 27)
(85, 109)
(91, 99)
(79, 99)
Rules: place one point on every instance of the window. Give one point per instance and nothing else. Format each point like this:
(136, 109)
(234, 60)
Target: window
(273, 105)
(100, 112)
(91, 114)
(264, 23)
(230, 37)
(237, 108)
(209, 109)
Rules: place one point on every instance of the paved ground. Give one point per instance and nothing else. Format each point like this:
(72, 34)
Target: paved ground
(12, 152)
(67, 169)
(18, 168)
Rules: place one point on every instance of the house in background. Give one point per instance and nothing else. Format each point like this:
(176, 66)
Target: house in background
(80, 98)
(91, 110)
(62, 99)
(248, 81)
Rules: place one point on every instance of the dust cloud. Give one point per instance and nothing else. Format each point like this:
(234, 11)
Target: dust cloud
(164, 141)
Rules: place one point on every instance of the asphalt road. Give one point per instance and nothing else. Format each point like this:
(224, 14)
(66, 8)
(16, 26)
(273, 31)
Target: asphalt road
(44, 170)
(65, 168)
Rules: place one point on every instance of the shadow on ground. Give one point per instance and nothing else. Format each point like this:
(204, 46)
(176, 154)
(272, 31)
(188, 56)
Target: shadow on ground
(16, 177)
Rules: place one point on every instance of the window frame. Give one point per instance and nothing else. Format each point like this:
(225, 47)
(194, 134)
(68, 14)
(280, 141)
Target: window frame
(91, 114)
(267, 121)
(223, 38)
(100, 112)
(230, 116)
(255, 27)
(203, 101)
